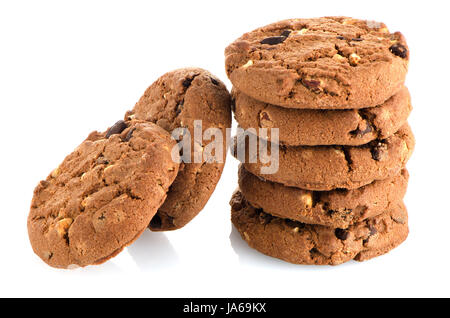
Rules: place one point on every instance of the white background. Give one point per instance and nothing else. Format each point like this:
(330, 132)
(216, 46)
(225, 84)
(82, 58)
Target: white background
(67, 68)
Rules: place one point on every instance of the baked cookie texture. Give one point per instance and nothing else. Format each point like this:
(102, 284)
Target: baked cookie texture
(176, 100)
(307, 127)
(301, 243)
(337, 208)
(325, 168)
(102, 196)
(321, 63)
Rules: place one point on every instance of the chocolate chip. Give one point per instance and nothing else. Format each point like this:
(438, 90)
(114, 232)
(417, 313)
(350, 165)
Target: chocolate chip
(286, 33)
(156, 222)
(236, 206)
(357, 39)
(214, 81)
(399, 50)
(372, 230)
(340, 38)
(313, 85)
(361, 132)
(129, 135)
(117, 128)
(341, 234)
(378, 151)
(187, 82)
(273, 40)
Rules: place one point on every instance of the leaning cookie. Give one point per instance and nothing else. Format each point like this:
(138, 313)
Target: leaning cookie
(309, 127)
(307, 244)
(102, 196)
(322, 63)
(324, 168)
(337, 208)
(176, 100)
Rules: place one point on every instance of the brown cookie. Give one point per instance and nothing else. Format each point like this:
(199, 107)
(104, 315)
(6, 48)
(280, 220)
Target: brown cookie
(102, 196)
(176, 100)
(324, 168)
(322, 63)
(337, 208)
(325, 127)
(301, 243)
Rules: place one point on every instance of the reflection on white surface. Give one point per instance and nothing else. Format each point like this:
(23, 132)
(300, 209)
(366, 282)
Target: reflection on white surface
(152, 250)
(251, 257)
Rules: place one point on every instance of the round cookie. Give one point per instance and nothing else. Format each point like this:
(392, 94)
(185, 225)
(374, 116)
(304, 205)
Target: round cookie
(337, 208)
(307, 244)
(102, 196)
(324, 127)
(176, 100)
(324, 168)
(322, 63)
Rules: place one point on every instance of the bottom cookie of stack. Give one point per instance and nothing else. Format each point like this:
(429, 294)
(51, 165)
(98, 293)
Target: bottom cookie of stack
(300, 243)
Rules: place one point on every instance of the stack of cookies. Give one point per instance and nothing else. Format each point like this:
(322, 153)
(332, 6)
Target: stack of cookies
(334, 88)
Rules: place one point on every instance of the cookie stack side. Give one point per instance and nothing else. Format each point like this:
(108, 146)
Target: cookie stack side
(334, 89)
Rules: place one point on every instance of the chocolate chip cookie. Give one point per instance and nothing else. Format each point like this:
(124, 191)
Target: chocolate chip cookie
(322, 63)
(324, 168)
(176, 100)
(102, 196)
(325, 127)
(337, 208)
(301, 243)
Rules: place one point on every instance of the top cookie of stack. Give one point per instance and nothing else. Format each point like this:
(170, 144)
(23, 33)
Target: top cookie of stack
(323, 63)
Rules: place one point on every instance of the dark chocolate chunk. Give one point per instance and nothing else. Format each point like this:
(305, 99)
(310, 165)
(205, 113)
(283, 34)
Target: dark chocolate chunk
(357, 39)
(273, 40)
(362, 132)
(117, 128)
(214, 81)
(341, 234)
(399, 50)
(313, 85)
(286, 33)
(378, 151)
(187, 82)
(340, 37)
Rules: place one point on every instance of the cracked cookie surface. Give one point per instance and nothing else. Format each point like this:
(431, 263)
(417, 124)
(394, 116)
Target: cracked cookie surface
(322, 63)
(102, 196)
(324, 168)
(324, 127)
(307, 244)
(337, 208)
(176, 100)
